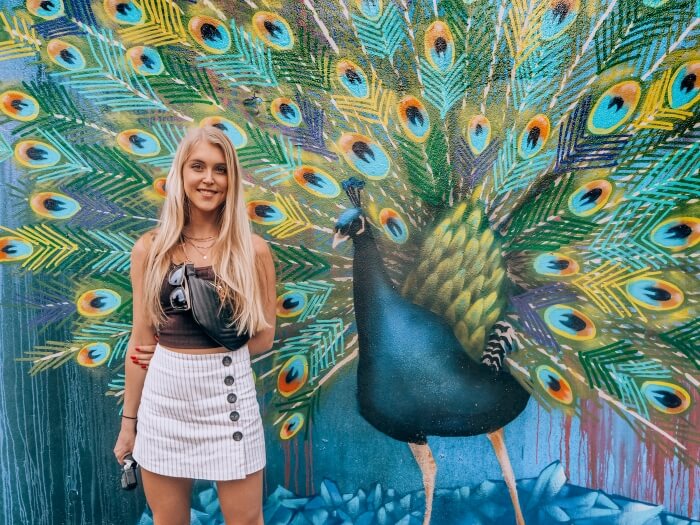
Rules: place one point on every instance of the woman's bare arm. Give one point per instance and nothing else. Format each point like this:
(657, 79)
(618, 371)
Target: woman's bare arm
(262, 341)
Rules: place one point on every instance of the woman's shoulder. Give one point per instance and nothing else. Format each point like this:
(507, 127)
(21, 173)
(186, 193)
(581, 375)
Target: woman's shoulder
(260, 245)
(143, 244)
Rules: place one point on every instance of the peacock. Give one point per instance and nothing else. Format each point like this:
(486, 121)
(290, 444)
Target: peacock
(521, 177)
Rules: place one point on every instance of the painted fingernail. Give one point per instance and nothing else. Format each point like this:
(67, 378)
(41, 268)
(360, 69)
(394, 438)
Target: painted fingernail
(144, 367)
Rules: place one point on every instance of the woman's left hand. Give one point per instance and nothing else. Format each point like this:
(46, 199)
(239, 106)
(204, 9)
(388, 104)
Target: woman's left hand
(142, 355)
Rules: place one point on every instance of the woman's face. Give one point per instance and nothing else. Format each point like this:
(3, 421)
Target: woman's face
(205, 177)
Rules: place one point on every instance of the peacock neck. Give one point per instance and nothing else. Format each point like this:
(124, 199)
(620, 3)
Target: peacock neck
(372, 288)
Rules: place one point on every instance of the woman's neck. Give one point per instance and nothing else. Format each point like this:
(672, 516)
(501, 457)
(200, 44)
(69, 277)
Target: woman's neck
(199, 226)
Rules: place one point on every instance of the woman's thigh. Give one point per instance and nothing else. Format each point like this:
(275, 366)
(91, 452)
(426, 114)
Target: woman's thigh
(169, 498)
(241, 499)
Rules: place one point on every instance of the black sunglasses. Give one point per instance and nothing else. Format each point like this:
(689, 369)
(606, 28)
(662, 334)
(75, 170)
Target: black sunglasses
(179, 295)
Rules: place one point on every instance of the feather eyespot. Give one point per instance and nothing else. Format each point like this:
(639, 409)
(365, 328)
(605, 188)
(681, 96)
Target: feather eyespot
(590, 198)
(65, 55)
(414, 118)
(159, 186)
(98, 303)
(291, 426)
(265, 212)
(93, 354)
(614, 107)
(19, 106)
(364, 155)
(654, 294)
(293, 375)
(666, 397)
(679, 233)
(138, 142)
(124, 11)
(210, 33)
(145, 60)
(352, 78)
(371, 9)
(439, 46)
(558, 18)
(46, 9)
(54, 205)
(393, 225)
(291, 304)
(36, 154)
(232, 130)
(555, 264)
(478, 134)
(684, 89)
(569, 322)
(274, 30)
(14, 249)
(286, 111)
(554, 383)
(534, 136)
(317, 182)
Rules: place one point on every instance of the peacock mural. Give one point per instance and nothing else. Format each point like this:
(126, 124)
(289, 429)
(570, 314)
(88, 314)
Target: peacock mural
(517, 184)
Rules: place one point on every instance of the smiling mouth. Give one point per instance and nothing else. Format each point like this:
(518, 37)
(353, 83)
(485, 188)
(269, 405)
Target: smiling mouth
(208, 192)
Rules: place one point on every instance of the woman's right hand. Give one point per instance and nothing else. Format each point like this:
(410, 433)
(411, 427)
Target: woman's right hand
(125, 443)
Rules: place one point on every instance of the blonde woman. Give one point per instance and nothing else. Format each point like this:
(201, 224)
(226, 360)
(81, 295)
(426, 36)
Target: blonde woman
(192, 412)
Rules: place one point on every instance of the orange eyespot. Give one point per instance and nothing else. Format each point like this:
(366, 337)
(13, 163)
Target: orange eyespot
(394, 226)
(210, 33)
(46, 9)
(678, 233)
(65, 55)
(19, 106)
(352, 78)
(54, 205)
(364, 155)
(558, 18)
(145, 60)
(555, 264)
(654, 294)
(534, 136)
(286, 111)
(98, 303)
(290, 304)
(666, 397)
(233, 131)
(291, 426)
(36, 154)
(614, 107)
(478, 134)
(554, 384)
(684, 89)
(93, 354)
(317, 182)
(159, 186)
(439, 46)
(274, 30)
(138, 142)
(128, 12)
(590, 198)
(13, 249)
(569, 322)
(265, 212)
(293, 375)
(414, 118)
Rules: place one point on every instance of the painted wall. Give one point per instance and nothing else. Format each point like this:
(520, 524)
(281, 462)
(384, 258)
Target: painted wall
(570, 128)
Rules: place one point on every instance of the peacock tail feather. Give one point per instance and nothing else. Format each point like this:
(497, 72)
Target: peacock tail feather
(528, 160)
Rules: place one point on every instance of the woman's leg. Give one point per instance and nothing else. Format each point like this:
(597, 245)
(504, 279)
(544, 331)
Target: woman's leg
(169, 498)
(241, 499)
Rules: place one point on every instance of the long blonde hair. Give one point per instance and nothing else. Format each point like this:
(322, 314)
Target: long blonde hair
(233, 254)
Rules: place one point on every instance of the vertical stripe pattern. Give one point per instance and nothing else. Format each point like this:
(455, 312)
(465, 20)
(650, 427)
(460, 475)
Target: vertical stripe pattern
(199, 416)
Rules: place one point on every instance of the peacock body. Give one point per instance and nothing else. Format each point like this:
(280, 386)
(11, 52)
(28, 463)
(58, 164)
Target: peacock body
(528, 162)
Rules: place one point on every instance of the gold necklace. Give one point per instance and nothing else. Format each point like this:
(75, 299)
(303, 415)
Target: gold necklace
(198, 238)
(204, 255)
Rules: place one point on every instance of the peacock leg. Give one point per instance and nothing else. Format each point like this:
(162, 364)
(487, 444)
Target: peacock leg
(426, 462)
(499, 445)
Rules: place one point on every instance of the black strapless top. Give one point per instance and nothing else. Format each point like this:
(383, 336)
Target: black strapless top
(180, 329)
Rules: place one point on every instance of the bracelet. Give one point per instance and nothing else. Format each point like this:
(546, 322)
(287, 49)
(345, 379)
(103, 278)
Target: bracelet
(127, 417)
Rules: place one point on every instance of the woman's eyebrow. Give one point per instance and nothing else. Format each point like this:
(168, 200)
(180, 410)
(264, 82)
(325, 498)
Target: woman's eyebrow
(217, 164)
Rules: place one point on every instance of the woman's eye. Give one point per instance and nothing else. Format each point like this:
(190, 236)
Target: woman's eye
(196, 166)
(221, 169)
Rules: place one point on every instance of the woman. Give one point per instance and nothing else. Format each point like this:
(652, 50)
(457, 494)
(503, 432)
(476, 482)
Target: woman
(198, 416)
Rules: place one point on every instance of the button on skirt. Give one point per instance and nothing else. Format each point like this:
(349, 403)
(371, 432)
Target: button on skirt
(199, 416)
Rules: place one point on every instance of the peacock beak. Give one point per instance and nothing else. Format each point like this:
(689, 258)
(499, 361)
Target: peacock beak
(339, 238)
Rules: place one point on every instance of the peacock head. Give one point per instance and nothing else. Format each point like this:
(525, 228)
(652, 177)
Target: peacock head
(352, 222)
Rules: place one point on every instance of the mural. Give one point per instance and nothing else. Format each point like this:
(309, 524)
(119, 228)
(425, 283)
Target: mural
(485, 220)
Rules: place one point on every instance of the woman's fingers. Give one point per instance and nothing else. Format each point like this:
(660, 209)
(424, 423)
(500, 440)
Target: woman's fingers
(142, 355)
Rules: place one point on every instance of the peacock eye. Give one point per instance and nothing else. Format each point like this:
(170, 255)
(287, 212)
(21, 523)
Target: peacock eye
(678, 233)
(555, 264)
(93, 354)
(371, 9)
(210, 33)
(159, 186)
(558, 18)
(274, 30)
(614, 107)
(233, 131)
(291, 304)
(98, 303)
(65, 55)
(666, 397)
(124, 11)
(414, 118)
(265, 212)
(19, 106)
(393, 225)
(684, 89)
(14, 249)
(46, 9)
(138, 142)
(317, 182)
(555, 384)
(54, 205)
(478, 133)
(286, 112)
(352, 78)
(534, 136)
(36, 154)
(569, 322)
(439, 46)
(291, 426)
(145, 60)
(654, 294)
(364, 155)
(590, 198)
(293, 375)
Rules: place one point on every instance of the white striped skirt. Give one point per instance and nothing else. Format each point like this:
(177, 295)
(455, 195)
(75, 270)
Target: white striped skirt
(199, 417)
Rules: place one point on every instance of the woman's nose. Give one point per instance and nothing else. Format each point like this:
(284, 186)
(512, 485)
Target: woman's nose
(208, 176)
